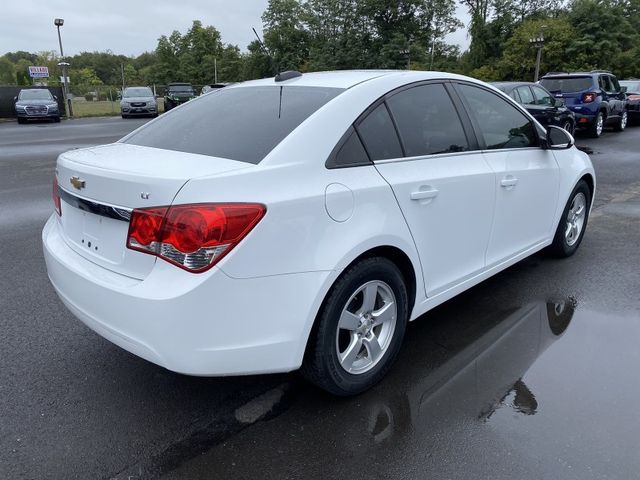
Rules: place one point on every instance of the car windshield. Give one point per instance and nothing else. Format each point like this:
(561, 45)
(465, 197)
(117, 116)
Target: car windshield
(567, 84)
(243, 123)
(181, 88)
(632, 87)
(138, 92)
(35, 94)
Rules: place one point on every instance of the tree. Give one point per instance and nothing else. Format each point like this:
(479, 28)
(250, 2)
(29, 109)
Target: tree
(7, 74)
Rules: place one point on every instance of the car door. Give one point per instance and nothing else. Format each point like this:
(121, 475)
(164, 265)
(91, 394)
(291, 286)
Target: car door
(618, 98)
(527, 176)
(604, 81)
(545, 104)
(441, 181)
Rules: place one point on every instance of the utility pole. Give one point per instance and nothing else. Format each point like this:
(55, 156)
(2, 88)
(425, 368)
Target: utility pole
(58, 22)
(538, 43)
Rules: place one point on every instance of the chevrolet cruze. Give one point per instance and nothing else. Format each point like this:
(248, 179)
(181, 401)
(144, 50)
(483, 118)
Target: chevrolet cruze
(305, 230)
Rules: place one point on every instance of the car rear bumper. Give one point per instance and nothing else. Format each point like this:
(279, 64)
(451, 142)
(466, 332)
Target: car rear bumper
(584, 120)
(198, 324)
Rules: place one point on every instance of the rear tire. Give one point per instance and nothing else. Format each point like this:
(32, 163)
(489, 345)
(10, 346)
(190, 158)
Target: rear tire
(596, 128)
(56, 119)
(573, 222)
(21, 120)
(359, 329)
(621, 123)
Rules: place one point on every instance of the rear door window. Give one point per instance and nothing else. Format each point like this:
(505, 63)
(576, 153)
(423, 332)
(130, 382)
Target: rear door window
(243, 123)
(379, 135)
(542, 97)
(526, 95)
(427, 121)
(500, 123)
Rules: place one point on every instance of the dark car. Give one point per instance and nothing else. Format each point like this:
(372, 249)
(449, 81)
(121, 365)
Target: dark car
(36, 104)
(178, 93)
(595, 97)
(540, 103)
(633, 98)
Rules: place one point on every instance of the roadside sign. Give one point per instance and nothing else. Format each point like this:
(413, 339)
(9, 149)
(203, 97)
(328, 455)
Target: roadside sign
(62, 80)
(39, 72)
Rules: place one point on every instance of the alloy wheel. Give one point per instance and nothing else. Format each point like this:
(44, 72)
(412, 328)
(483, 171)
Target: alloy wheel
(575, 219)
(366, 327)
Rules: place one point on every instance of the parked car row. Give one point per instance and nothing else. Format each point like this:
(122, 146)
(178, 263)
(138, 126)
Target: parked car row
(587, 101)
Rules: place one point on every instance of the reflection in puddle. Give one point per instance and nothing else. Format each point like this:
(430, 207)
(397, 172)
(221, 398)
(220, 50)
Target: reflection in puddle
(523, 394)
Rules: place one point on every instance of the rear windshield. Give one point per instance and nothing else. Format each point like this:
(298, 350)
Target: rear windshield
(567, 84)
(237, 123)
(180, 88)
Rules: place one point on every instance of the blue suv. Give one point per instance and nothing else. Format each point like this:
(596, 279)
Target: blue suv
(595, 97)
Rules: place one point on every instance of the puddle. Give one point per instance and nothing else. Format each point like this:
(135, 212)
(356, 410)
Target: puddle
(546, 390)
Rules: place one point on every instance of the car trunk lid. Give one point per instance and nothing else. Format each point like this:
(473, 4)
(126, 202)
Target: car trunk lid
(100, 186)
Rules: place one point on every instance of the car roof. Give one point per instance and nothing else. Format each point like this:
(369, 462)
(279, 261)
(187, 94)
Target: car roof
(511, 85)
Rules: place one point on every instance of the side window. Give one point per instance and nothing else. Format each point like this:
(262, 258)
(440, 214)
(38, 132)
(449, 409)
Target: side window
(379, 135)
(427, 121)
(542, 97)
(501, 124)
(615, 84)
(514, 94)
(605, 84)
(526, 96)
(350, 154)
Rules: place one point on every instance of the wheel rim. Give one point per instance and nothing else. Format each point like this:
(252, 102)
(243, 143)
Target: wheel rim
(623, 120)
(599, 124)
(575, 219)
(366, 327)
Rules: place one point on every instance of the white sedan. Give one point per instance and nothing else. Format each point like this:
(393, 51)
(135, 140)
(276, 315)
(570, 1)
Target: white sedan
(302, 221)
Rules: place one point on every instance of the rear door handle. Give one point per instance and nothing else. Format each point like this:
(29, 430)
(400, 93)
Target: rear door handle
(428, 192)
(509, 181)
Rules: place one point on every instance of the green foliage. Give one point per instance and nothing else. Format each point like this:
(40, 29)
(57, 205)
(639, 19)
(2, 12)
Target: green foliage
(7, 74)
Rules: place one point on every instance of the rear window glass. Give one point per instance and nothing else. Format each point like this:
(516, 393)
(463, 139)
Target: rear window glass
(243, 123)
(567, 84)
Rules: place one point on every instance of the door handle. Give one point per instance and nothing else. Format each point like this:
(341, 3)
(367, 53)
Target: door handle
(509, 181)
(424, 194)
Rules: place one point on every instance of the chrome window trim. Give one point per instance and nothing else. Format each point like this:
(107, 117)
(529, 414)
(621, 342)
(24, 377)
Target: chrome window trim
(452, 154)
(97, 208)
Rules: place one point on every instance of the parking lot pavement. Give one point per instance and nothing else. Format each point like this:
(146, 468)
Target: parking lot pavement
(531, 374)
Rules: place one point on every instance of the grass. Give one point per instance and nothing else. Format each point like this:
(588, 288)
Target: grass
(82, 108)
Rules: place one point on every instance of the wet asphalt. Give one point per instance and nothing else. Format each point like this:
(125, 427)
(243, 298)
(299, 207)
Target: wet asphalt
(531, 374)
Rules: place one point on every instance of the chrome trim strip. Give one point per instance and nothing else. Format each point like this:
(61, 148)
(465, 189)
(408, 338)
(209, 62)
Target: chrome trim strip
(97, 208)
(452, 154)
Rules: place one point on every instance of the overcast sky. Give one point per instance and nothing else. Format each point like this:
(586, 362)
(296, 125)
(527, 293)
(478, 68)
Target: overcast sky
(130, 27)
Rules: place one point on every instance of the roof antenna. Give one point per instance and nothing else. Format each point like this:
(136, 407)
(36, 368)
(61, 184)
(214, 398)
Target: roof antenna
(267, 53)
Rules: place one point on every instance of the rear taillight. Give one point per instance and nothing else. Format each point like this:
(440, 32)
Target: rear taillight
(194, 237)
(589, 97)
(55, 193)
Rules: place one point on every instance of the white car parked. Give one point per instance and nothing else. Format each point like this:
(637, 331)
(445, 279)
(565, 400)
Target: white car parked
(306, 228)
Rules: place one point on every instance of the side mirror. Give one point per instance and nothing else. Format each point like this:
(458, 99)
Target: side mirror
(15, 99)
(55, 98)
(623, 89)
(558, 139)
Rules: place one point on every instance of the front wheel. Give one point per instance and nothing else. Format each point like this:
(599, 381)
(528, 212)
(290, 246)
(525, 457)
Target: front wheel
(573, 222)
(359, 329)
(621, 124)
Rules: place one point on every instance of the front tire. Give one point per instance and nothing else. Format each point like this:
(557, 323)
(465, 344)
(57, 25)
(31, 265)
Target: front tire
(359, 329)
(573, 222)
(621, 124)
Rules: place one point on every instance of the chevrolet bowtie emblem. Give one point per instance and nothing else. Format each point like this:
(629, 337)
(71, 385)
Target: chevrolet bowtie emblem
(77, 182)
